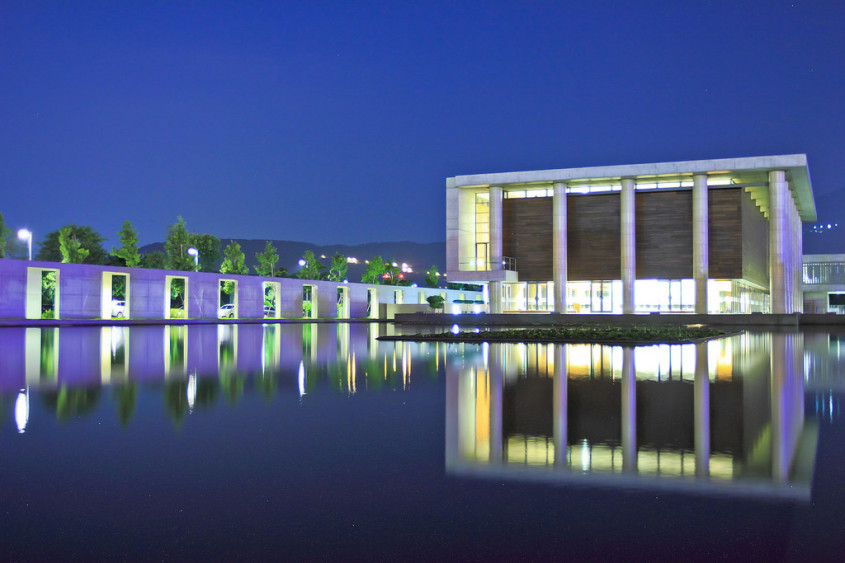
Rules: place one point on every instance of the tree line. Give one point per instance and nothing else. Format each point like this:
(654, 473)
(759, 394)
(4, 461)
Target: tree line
(81, 244)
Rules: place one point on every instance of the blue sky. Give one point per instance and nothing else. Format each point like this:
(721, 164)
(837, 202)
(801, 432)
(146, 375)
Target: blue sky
(338, 122)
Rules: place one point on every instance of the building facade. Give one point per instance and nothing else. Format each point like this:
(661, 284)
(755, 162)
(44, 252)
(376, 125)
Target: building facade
(50, 290)
(705, 236)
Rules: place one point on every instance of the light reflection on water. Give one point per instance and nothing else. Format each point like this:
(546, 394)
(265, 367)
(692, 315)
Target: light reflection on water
(725, 412)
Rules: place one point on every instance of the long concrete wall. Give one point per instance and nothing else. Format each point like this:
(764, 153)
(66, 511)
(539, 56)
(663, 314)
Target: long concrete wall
(83, 293)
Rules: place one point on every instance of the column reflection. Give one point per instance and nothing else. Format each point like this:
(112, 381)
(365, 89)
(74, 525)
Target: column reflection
(684, 416)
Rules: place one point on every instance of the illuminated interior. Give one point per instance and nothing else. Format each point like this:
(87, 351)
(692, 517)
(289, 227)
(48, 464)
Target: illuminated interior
(482, 232)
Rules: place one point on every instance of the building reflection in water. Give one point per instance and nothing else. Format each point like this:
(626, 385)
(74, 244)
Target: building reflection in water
(727, 413)
(199, 363)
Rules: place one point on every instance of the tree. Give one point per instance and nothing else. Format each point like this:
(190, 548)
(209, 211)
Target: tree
(432, 276)
(267, 260)
(71, 248)
(337, 270)
(5, 233)
(176, 247)
(436, 301)
(312, 269)
(208, 247)
(154, 260)
(233, 260)
(391, 268)
(375, 271)
(88, 239)
(128, 252)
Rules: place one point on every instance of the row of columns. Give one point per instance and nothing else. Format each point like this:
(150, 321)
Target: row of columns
(784, 245)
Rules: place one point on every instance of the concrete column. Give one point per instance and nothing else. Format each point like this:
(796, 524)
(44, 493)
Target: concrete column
(629, 244)
(494, 290)
(559, 243)
(629, 411)
(797, 266)
(700, 241)
(561, 410)
(701, 392)
(495, 259)
(800, 233)
(460, 229)
(778, 236)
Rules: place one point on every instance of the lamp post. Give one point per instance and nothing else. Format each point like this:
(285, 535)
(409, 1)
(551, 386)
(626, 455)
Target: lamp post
(26, 234)
(196, 254)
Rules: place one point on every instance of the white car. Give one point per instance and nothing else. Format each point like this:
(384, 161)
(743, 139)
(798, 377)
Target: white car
(226, 311)
(118, 309)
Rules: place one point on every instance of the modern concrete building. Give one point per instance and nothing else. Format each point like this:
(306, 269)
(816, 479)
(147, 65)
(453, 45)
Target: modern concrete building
(824, 283)
(704, 236)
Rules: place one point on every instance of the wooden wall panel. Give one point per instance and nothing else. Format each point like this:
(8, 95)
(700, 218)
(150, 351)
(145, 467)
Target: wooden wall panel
(725, 226)
(593, 237)
(527, 236)
(755, 243)
(738, 236)
(664, 234)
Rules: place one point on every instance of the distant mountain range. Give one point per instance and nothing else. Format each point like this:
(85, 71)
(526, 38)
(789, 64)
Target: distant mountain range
(420, 256)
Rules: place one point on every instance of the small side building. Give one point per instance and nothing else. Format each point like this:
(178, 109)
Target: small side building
(704, 236)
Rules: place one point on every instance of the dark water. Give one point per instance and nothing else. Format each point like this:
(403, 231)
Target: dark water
(318, 441)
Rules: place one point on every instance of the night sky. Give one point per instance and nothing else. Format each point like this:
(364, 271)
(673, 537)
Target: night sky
(339, 122)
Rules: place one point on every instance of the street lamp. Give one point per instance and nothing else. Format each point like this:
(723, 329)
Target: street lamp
(26, 234)
(196, 254)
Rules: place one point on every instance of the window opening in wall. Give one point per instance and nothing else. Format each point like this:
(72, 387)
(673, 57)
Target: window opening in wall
(227, 299)
(177, 301)
(342, 303)
(49, 283)
(398, 296)
(372, 303)
(271, 296)
(119, 306)
(309, 302)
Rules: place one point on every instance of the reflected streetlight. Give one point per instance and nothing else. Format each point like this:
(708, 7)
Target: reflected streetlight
(22, 410)
(196, 254)
(26, 234)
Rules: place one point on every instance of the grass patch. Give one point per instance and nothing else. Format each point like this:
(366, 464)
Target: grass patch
(633, 334)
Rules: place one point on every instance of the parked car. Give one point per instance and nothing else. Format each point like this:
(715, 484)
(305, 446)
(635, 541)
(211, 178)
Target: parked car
(226, 311)
(118, 309)
(269, 311)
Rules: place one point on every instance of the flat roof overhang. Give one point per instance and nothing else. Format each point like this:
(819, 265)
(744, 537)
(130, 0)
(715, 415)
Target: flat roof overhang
(795, 165)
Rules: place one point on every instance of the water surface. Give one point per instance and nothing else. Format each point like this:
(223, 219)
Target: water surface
(315, 441)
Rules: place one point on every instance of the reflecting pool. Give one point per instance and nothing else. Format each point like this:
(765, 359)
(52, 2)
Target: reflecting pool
(320, 441)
